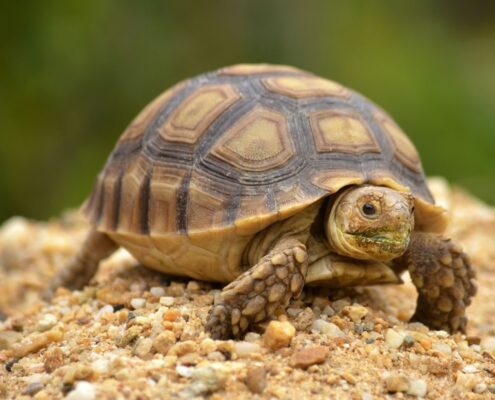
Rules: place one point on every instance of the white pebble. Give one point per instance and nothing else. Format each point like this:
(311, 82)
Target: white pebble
(366, 396)
(488, 344)
(441, 334)
(393, 339)
(184, 371)
(167, 301)
(327, 328)
(101, 365)
(328, 311)
(476, 348)
(157, 291)
(47, 322)
(138, 303)
(417, 387)
(442, 347)
(470, 369)
(479, 388)
(293, 312)
(105, 309)
(83, 391)
(244, 349)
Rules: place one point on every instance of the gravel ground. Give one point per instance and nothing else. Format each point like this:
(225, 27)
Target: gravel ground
(139, 334)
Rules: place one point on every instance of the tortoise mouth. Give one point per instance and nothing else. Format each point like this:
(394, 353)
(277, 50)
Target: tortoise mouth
(392, 242)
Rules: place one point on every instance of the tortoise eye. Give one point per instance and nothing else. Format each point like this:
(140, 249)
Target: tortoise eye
(369, 209)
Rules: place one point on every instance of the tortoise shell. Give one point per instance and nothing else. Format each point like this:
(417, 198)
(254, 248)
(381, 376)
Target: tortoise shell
(221, 156)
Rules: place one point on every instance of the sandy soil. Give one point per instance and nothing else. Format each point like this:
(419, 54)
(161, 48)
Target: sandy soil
(138, 334)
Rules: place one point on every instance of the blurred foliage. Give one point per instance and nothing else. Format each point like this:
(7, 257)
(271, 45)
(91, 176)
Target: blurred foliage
(74, 73)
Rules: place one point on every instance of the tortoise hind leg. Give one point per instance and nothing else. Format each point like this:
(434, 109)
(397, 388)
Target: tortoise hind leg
(83, 266)
(444, 278)
(255, 294)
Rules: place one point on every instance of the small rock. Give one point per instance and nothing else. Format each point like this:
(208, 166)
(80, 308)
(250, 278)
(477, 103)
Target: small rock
(32, 388)
(328, 311)
(167, 301)
(138, 302)
(157, 291)
(491, 388)
(304, 319)
(393, 339)
(182, 348)
(246, 349)
(252, 337)
(205, 380)
(309, 356)
(8, 338)
(417, 387)
(256, 379)
(488, 344)
(83, 391)
(129, 335)
(470, 369)
(408, 340)
(77, 372)
(442, 347)
(397, 383)
(184, 370)
(278, 334)
(143, 347)
(164, 342)
(47, 322)
(32, 344)
(339, 305)
(104, 310)
(356, 312)
(466, 382)
(480, 388)
(327, 328)
(54, 358)
(293, 312)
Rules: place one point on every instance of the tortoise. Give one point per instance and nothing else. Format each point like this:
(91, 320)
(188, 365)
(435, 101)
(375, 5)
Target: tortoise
(267, 177)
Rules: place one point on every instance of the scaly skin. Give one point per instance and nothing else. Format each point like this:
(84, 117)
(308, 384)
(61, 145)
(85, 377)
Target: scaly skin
(258, 292)
(444, 278)
(83, 266)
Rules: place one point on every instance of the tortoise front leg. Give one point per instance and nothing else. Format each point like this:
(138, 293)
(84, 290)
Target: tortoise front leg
(83, 266)
(255, 294)
(444, 278)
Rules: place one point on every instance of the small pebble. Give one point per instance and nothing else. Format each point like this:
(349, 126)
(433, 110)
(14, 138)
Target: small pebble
(491, 388)
(143, 347)
(393, 339)
(488, 344)
(480, 388)
(105, 309)
(397, 383)
(167, 301)
(83, 391)
(278, 334)
(356, 312)
(309, 356)
(417, 387)
(47, 322)
(327, 328)
(442, 347)
(157, 291)
(138, 302)
(246, 349)
(33, 388)
(184, 371)
(164, 342)
(339, 305)
(328, 311)
(466, 382)
(256, 379)
(470, 369)
(205, 380)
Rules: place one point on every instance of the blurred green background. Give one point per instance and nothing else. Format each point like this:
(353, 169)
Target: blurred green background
(73, 74)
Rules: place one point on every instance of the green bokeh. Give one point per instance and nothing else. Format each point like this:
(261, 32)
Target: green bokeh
(74, 73)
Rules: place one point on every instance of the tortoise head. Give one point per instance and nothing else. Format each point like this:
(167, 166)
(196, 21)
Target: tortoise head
(370, 223)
